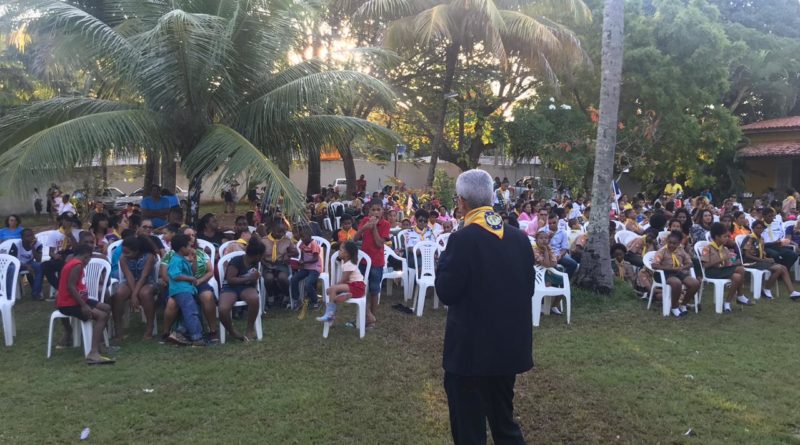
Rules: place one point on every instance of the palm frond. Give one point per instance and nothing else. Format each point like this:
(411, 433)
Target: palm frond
(523, 30)
(223, 149)
(575, 11)
(58, 149)
(317, 91)
(433, 23)
(387, 9)
(321, 130)
(23, 122)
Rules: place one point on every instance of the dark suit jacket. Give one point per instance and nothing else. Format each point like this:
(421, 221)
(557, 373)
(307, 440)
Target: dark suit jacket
(487, 284)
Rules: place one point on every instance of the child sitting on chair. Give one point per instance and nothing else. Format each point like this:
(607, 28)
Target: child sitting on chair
(351, 285)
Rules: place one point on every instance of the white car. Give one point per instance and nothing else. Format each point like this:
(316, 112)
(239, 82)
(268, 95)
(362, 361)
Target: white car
(340, 186)
(136, 198)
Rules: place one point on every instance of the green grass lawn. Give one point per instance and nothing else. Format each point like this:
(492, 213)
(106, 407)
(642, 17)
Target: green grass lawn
(618, 374)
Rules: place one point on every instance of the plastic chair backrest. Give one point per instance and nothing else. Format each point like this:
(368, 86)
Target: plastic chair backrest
(223, 264)
(698, 251)
(539, 276)
(251, 228)
(6, 263)
(96, 276)
(786, 225)
(620, 226)
(425, 257)
(401, 239)
(111, 247)
(625, 237)
(739, 240)
(325, 245)
(224, 246)
(441, 240)
(336, 268)
(44, 238)
(662, 238)
(647, 259)
(209, 249)
(5, 246)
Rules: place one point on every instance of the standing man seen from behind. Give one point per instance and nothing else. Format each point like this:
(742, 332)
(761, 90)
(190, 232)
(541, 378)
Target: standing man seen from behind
(156, 207)
(486, 278)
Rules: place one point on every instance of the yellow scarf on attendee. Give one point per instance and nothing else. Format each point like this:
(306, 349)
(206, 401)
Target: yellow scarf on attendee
(675, 261)
(760, 245)
(241, 242)
(64, 245)
(719, 249)
(274, 248)
(635, 224)
(621, 269)
(486, 219)
(644, 245)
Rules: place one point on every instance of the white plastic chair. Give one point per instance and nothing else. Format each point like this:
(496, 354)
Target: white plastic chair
(326, 222)
(402, 274)
(333, 209)
(325, 246)
(523, 225)
(251, 229)
(96, 277)
(336, 272)
(425, 259)
(209, 249)
(625, 237)
(8, 296)
(666, 291)
(620, 226)
(719, 283)
(221, 267)
(542, 292)
(661, 239)
(5, 247)
(441, 240)
(223, 246)
(757, 276)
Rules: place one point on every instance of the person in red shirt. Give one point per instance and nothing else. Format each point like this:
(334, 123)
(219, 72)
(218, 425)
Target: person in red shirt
(73, 300)
(374, 232)
(361, 185)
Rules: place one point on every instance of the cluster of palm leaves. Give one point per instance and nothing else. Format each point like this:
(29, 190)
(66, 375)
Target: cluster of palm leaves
(207, 81)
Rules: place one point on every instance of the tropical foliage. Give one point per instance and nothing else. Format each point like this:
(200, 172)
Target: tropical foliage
(206, 81)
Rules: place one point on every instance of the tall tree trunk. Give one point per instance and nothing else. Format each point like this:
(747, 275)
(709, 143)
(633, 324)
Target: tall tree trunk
(451, 61)
(169, 170)
(349, 168)
(476, 145)
(151, 171)
(595, 271)
(314, 172)
(104, 168)
(195, 191)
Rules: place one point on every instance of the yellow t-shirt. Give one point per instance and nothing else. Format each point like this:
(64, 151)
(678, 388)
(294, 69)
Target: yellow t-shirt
(673, 189)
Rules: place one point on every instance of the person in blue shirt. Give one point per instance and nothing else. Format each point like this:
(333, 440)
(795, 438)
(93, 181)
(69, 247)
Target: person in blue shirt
(13, 228)
(182, 289)
(559, 243)
(156, 206)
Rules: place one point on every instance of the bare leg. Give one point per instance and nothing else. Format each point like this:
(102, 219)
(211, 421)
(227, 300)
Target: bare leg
(171, 311)
(118, 302)
(147, 299)
(675, 285)
(692, 286)
(100, 318)
(250, 296)
(736, 285)
(226, 301)
(209, 307)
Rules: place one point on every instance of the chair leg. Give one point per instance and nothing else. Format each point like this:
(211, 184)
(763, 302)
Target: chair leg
(421, 299)
(86, 335)
(536, 308)
(568, 299)
(50, 337)
(650, 298)
(362, 318)
(259, 327)
(666, 300)
(76, 332)
(8, 330)
(719, 297)
(758, 281)
(221, 330)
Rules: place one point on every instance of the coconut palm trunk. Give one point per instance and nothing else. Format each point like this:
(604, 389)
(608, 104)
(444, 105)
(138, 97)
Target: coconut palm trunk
(451, 62)
(595, 271)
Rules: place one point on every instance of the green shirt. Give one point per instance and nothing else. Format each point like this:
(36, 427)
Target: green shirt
(202, 261)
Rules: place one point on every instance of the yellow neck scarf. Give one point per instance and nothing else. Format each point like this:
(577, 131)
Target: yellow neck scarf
(274, 248)
(241, 242)
(420, 231)
(644, 245)
(760, 245)
(64, 245)
(486, 219)
(635, 224)
(719, 250)
(621, 269)
(675, 261)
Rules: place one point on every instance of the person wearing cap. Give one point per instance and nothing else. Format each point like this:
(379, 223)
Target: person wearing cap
(486, 278)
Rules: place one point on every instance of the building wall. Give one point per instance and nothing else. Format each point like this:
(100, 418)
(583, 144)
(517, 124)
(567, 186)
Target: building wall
(761, 174)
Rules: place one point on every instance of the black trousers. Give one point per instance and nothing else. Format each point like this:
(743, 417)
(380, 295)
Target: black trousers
(782, 255)
(52, 271)
(473, 400)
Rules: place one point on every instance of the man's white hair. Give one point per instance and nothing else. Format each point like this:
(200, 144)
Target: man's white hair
(476, 187)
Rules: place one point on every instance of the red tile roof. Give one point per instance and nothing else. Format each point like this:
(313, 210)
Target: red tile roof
(784, 122)
(764, 149)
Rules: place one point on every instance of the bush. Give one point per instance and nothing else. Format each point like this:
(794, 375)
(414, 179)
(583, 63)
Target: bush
(445, 188)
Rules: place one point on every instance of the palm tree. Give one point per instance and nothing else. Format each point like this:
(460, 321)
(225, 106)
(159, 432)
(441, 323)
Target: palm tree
(595, 271)
(455, 27)
(206, 81)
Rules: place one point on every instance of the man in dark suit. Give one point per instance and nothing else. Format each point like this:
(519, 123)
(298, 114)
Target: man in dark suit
(486, 278)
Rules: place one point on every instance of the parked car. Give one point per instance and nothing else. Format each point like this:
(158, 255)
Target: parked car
(107, 196)
(136, 198)
(340, 186)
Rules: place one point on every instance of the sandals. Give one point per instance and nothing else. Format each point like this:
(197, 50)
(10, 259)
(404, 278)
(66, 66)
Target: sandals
(102, 361)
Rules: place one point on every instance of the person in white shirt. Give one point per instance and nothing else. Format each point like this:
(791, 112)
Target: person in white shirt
(433, 223)
(66, 206)
(420, 232)
(776, 244)
(502, 197)
(29, 253)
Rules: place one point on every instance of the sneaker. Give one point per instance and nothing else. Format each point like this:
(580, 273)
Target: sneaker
(677, 312)
(795, 295)
(741, 299)
(178, 339)
(726, 308)
(327, 318)
(768, 294)
(684, 310)
(555, 311)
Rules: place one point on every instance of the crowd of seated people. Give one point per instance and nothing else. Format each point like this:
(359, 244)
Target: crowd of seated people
(162, 264)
